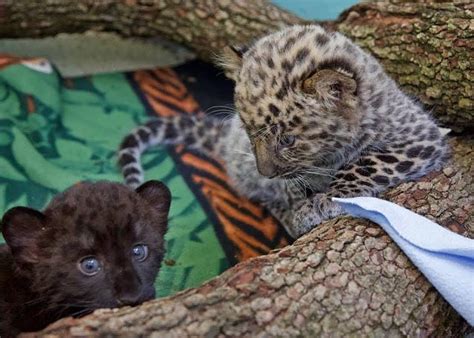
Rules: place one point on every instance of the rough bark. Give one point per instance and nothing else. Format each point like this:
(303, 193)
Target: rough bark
(427, 47)
(204, 25)
(345, 278)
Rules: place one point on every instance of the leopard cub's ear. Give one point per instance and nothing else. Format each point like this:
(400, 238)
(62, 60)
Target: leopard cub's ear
(230, 60)
(337, 88)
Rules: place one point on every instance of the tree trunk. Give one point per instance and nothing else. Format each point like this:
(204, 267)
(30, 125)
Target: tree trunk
(204, 25)
(427, 47)
(344, 278)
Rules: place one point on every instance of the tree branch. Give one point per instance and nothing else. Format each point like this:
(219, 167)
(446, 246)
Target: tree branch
(427, 47)
(346, 277)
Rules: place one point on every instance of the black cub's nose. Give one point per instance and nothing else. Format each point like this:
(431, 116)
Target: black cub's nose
(130, 299)
(136, 298)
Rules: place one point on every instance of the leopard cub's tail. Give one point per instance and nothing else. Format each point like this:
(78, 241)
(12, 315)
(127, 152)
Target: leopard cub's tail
(199, 132)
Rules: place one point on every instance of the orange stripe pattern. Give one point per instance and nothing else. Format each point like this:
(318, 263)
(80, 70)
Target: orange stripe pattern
(251, 229)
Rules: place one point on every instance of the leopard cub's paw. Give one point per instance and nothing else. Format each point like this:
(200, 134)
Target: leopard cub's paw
(310, 213)
(305, 218)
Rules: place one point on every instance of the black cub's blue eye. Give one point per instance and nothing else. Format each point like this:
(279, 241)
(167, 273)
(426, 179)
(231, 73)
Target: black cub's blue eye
(89, 266)
(140, 252)
(287, 140)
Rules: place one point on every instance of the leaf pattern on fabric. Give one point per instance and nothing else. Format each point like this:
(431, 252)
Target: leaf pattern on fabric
(245, 229)
(56, 132)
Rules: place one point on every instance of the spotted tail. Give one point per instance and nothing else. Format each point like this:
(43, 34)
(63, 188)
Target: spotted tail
(204, 134)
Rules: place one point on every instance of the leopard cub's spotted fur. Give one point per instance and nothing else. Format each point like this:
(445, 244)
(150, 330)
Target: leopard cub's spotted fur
(317, 117)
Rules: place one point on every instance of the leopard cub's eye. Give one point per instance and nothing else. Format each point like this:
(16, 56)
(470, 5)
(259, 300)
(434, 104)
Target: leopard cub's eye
(287, 140)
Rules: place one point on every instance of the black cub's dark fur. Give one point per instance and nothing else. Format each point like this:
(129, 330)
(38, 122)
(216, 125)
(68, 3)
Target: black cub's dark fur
(96, 245)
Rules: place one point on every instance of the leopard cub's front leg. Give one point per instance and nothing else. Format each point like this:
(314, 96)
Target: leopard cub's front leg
(311, 212)
(370, 175)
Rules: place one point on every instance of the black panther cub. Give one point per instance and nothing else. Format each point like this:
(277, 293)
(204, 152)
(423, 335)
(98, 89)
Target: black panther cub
(97, 245)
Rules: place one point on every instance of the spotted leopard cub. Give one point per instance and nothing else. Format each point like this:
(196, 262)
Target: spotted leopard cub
(317, 117)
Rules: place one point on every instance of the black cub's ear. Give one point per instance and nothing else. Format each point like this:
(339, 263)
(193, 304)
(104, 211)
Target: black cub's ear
(333, 87)
(230, 60)
(21, 228)
(157, 195)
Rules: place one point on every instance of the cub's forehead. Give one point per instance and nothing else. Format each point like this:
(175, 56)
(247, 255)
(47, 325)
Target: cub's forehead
(100, 192)
(273, 67)
(290, 45)
(292, 53)
(96, 210)
(93, 201)
(287, 38)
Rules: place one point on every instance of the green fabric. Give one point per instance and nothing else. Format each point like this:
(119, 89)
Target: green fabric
(72, 134)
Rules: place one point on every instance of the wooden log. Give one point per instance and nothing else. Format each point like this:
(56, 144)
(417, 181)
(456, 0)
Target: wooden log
(427, 47)
(344, 278)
